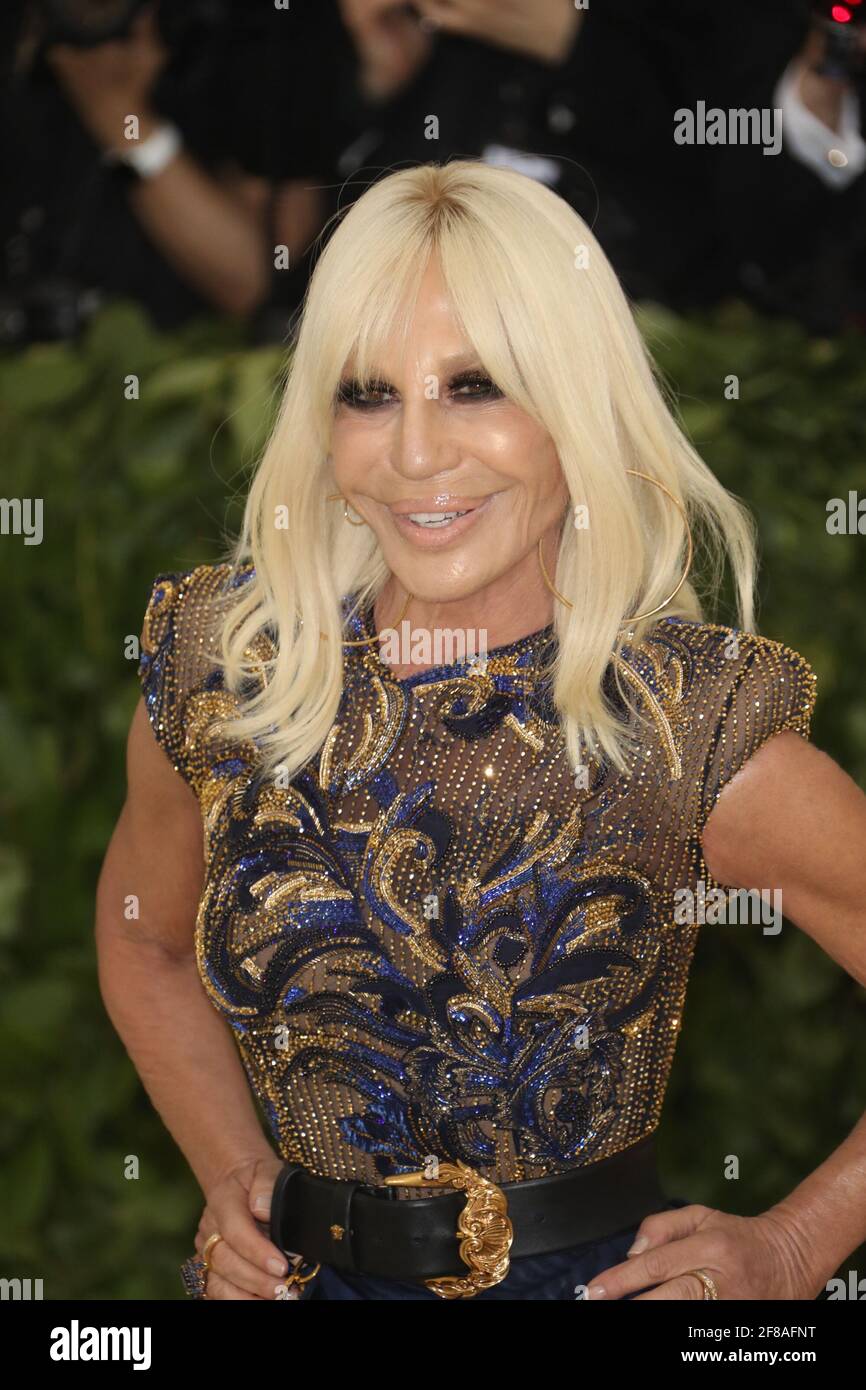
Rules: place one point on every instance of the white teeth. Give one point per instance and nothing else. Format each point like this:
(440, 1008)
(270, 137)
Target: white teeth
(434, 518)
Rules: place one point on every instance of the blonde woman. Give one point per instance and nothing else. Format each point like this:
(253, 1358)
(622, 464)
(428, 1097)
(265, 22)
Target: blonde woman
(424, 906)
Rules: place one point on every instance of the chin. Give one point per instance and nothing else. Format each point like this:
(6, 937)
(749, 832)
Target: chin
(431, 584)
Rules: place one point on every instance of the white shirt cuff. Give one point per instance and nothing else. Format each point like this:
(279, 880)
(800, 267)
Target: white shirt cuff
(810, 141)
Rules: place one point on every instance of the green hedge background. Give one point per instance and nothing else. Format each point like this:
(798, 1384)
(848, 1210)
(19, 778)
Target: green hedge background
(771, 1064)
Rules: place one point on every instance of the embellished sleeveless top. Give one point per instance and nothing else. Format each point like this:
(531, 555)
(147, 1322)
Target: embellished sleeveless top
(435, 939)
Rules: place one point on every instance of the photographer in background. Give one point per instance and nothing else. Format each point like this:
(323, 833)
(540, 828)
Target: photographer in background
(587, 100)
(580, 99)
(498, 80)
(793, 224)
(180, 217)
(818, 96)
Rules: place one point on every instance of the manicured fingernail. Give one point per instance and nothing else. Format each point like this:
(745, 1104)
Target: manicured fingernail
(277, 1266)
(640, 1244)
(596, 1291)
(262, 1203)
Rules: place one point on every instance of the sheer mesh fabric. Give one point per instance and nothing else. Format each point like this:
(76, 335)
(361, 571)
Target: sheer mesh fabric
(436, 939)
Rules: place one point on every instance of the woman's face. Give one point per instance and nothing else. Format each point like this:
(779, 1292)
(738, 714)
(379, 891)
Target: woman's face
(434, 438)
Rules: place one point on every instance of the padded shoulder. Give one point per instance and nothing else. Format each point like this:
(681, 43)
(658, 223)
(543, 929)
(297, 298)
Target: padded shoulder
(179, 642)
(743, 689)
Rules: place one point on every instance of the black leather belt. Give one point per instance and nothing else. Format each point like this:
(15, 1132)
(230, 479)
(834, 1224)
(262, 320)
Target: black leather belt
(462, 1239)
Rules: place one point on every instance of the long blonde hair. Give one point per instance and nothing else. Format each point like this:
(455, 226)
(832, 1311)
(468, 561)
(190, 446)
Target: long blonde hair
(541, 305)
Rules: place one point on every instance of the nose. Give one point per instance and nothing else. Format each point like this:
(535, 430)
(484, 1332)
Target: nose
(424, 445)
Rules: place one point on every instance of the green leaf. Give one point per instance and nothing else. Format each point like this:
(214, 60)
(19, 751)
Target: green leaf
(14, 879)
(25, 1188)
(120, 336)
(253, 398)
(42, 378)
(182, 380)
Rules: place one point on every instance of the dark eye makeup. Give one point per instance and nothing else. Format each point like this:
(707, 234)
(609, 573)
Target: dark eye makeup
(466, 386)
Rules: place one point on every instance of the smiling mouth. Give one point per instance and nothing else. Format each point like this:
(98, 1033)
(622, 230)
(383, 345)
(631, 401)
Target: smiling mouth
(434, 520)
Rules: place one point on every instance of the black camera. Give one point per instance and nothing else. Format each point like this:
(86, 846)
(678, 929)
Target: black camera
(86, 23)
(839, 21)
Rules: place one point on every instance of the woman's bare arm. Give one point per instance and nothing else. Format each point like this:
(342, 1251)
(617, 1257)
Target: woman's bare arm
(212, 227)
(793, 819)
(180, 1046)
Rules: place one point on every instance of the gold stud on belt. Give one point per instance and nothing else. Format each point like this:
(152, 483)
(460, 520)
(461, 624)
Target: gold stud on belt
(483, 1229)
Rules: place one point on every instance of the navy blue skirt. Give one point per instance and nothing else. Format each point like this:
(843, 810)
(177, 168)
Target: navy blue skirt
(562, 1275)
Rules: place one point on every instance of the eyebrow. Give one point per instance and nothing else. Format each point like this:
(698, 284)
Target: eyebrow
(455, 362)
(460, 360)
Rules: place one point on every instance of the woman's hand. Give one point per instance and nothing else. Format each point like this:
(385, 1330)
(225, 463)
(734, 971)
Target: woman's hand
(821, 94)
(244, 1264)
(756, 1257)
(390, 41)
(544, 29)
(112, 80)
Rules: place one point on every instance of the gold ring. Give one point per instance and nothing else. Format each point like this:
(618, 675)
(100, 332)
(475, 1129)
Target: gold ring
(710, 1290)
(208, 1246)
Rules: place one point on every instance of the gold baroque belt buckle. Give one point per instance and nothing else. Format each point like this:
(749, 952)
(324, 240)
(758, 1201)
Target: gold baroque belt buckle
(483, 1229)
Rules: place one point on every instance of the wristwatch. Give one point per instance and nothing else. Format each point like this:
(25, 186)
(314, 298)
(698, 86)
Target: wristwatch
(145, 159)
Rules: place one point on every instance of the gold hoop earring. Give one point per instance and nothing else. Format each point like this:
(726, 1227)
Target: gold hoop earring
(360, 641)
(335, 497)
(638, 617)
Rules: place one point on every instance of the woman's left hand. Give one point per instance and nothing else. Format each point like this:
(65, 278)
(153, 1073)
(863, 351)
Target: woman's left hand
(751, 1257)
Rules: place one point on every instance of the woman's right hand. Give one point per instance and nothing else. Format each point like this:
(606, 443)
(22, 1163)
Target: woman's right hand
(390, 41)
(245, 1264)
